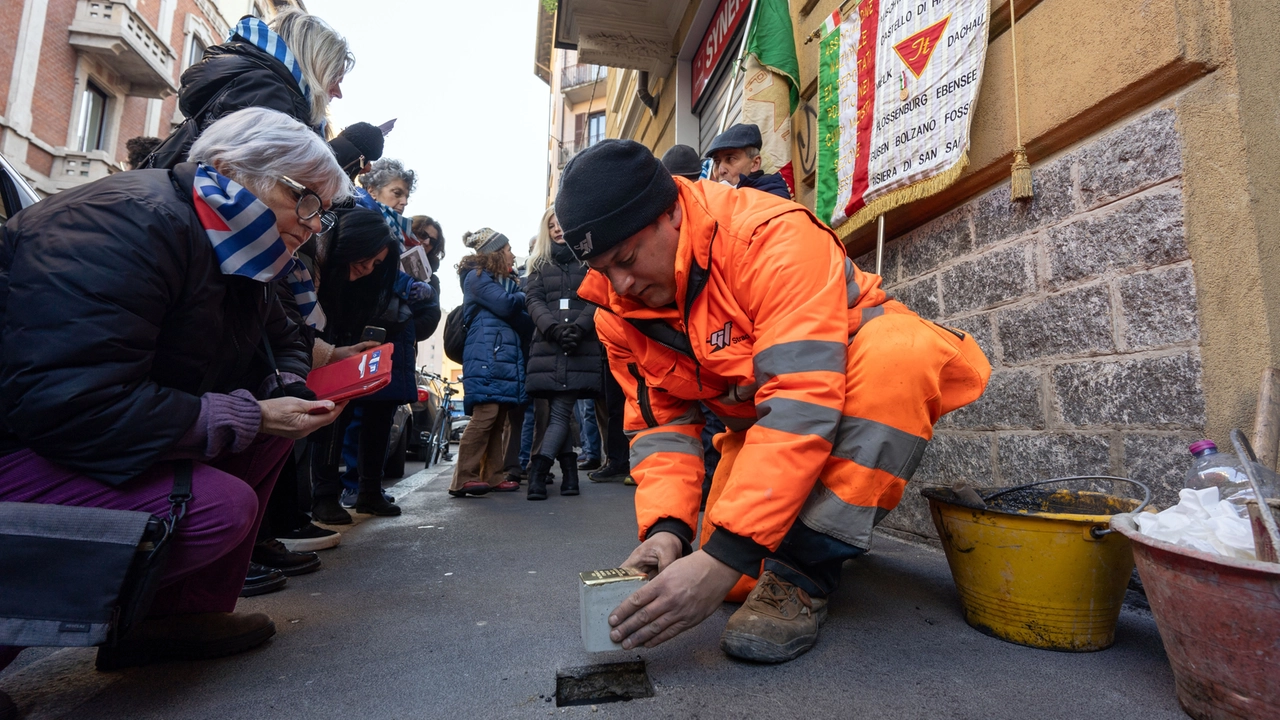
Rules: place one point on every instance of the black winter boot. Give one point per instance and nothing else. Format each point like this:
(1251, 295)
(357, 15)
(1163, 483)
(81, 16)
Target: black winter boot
(327, 510)
(538, 468)
(375, 503)
(569, 466)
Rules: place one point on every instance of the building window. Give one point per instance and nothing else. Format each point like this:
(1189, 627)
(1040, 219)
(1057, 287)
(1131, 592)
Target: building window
(595, 128)
(93, 117)
(196, 50)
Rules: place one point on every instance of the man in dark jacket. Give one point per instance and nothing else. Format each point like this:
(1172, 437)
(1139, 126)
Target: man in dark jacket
(736, 154)
(138, 329)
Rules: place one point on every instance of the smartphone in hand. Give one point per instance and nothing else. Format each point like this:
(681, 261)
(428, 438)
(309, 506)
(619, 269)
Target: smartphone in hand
(376, 334)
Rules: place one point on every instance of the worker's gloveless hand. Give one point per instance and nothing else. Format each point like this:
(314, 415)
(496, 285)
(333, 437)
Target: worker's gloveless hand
(654, 555)
(682, 595)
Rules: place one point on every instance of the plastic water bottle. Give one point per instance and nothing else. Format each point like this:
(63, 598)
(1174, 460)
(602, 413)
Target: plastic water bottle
(1211, 468)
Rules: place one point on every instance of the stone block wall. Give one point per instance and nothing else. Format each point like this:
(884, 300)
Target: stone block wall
(1084, 300)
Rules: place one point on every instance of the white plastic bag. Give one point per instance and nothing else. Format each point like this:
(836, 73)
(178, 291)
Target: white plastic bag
(1202, 521)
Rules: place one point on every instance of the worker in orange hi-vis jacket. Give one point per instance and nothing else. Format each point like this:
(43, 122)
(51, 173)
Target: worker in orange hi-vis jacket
(829, 390)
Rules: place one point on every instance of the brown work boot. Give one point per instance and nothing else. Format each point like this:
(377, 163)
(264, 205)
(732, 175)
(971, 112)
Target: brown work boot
(778, 622)
(198, 636)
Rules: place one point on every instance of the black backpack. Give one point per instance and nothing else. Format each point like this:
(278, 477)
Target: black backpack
(455, 335)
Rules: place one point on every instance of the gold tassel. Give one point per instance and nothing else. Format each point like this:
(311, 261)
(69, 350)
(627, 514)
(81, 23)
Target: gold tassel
(1020, 187)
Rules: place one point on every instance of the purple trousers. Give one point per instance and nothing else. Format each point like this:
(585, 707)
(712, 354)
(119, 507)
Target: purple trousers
(210, 553)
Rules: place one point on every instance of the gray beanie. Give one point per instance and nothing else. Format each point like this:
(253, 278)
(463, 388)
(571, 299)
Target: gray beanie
(485, 240)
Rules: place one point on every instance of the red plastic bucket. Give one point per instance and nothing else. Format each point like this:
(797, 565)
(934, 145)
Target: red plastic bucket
(1219, 619)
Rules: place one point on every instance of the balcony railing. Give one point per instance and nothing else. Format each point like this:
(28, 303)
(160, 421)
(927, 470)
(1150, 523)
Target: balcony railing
(569, 149)
(125, 43)
(581, 74)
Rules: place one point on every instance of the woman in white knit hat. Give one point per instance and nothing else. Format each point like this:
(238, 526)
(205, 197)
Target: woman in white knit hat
(493, 361)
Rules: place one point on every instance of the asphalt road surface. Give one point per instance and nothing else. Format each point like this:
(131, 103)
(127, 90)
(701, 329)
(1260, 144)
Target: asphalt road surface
(468, 607)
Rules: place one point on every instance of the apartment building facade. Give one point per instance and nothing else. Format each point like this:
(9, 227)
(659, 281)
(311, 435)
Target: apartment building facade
(79, 78)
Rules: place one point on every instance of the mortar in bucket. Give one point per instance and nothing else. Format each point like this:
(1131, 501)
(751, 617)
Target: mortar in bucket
(1035, 566)
(1219, 619)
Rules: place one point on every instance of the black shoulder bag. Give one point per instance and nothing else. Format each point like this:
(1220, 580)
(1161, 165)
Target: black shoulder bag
(80, 576)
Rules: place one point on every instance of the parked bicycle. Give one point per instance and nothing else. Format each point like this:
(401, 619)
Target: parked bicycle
(436, 447)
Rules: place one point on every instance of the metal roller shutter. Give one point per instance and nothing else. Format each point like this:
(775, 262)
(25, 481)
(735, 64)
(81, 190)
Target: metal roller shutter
(709, 119)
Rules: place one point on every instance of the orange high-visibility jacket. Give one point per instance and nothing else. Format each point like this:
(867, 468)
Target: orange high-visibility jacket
(766, 304)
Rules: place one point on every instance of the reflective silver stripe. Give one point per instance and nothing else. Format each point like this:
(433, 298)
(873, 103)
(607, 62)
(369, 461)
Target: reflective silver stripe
(799, 356)
(879, 447)
(737, 424)
(851, 284)
(798, 417)
(692, 416)
(869, 314)
(826, 513)
(657, 442)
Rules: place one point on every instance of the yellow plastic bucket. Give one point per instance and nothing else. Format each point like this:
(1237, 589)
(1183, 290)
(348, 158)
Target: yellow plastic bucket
(1038, 567)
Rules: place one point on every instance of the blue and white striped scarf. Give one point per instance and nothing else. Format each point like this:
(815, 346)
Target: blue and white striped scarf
(241, 227)
(243, 232)
(304, 294)
(253, 30)
(402, 225)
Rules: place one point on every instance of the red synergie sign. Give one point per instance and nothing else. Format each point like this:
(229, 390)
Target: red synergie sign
(715, 42)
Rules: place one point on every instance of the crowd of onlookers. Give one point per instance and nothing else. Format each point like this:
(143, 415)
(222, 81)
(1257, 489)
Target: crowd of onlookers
(162, 322)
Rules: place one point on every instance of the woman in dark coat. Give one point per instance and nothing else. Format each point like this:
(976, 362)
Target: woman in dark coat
(566, 360)
(359, 268)
(493, 364)
(137, 316)
(295, 65)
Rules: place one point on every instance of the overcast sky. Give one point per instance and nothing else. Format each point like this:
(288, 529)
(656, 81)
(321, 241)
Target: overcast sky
(471, 115)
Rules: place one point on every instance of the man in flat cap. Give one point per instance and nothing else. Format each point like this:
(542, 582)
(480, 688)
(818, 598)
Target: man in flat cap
(736, 154)
(830, 390)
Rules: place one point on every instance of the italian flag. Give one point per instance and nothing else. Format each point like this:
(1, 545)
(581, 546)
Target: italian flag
(771, 90)
(830, 24)
(839, 121)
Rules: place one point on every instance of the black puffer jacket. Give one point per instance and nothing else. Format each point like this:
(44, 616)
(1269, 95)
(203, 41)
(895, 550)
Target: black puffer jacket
(116, 318)
(232, 76)
(551, 370)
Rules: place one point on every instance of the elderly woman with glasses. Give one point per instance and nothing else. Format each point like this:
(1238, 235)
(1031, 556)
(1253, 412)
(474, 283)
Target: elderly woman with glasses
(141, 340)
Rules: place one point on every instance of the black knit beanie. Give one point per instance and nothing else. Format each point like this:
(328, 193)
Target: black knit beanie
(683, 160)
(359, 140)
(609, 192)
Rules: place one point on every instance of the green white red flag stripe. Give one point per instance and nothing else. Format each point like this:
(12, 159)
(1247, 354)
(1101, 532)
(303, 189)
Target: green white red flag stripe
(830, 24)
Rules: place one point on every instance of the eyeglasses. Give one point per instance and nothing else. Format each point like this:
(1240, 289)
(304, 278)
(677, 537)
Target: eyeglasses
(309, 204)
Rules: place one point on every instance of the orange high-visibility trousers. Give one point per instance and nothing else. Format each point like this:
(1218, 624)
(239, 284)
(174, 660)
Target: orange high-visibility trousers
(904, 373)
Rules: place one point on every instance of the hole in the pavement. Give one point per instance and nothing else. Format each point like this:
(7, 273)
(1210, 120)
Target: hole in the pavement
(607, 682)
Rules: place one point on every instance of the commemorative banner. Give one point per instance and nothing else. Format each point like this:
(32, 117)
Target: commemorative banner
(897, 84)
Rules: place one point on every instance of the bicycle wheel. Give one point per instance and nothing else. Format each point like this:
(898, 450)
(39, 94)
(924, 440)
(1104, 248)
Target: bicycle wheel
(442, 438)
(434, 442)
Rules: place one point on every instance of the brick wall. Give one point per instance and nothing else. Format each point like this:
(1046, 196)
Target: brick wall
(55, 77)
(133, 123)
(10, 24)
(39, 160)
(1084, 300)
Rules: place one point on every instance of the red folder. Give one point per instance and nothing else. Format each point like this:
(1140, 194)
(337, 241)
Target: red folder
(357, 376)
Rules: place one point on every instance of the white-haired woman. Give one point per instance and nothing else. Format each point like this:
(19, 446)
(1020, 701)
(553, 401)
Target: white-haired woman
(389, 184)
(295, 64)
(139, 335)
